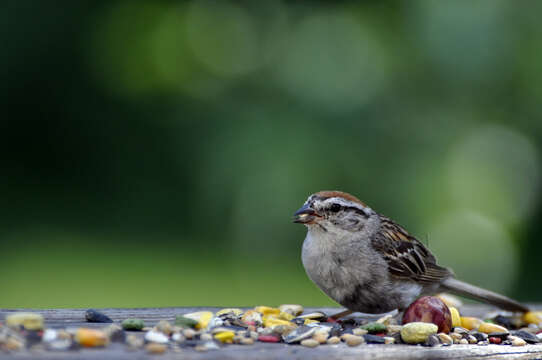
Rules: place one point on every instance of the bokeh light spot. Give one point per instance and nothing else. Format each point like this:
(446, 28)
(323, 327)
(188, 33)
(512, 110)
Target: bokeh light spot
(223, 38)
(478, 249)
(334, 59)
(495, 170)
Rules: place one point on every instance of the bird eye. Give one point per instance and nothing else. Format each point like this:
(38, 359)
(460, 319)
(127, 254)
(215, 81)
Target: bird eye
(335, 208)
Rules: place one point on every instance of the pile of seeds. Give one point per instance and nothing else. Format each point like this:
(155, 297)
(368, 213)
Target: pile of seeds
(205, 330)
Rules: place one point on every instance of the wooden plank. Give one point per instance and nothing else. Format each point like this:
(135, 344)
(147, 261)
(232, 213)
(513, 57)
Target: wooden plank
(61, 318)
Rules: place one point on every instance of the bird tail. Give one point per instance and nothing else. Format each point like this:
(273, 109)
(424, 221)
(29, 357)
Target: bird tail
(462, 288)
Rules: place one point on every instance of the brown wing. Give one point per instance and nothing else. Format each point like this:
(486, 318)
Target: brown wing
(406, 256)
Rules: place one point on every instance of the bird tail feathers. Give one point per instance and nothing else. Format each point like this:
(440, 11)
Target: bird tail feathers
(464, 289)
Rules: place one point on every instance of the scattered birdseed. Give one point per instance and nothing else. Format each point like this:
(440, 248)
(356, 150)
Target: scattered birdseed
(311, 343)
(286, 324)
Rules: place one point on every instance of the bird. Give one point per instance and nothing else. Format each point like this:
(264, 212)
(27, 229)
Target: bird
(368, 263)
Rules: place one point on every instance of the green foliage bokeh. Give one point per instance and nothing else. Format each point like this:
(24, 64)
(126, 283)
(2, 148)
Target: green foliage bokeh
(153, 152)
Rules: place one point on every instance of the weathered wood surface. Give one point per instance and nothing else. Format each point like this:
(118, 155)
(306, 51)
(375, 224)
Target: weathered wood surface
(61, 318)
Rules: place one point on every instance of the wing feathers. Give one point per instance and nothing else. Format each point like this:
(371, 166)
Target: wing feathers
(406, 256)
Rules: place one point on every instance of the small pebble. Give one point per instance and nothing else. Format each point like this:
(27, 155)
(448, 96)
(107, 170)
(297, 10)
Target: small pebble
(311, 343)
(266, 331)
(155, 348)
(230, 311)
(178, 337)
(393, 329)
(320, 337)
(470, 323)
(91, 337)
(269, 338)
(495, 340)
(333, 340)
(209, 345)
(471, 339)
(352, 340)
(517, 341)
(201, 317)
(464, 342)
(63, 334)
(373, 339)
(164, 327)
(200, 348)
(488, 328)
(206, 337)
(252, 316)
(417, 332)
(432, 340)
(502, 335)
(285, 316)
(115, 333)
(318, 316)
(182, 321)
(479, 336)
(133, 324)
(225, 336)
(189, 333)
(60, 344)
(373, 327)
(299, 334)
(134, 341)
(359, 331)
(29, 321)
(95, 316)
(456, 318)
(13, 344)
(389, 340)
(266, 310)
(247, 341)
(445, 339)
(157, 337)
(284, 329)
(270, 321)
(456, 337)
(461, 330)
(292, 309)
(49, 335)
(527, 336)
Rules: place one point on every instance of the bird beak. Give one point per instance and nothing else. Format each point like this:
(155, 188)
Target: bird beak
(305, 215)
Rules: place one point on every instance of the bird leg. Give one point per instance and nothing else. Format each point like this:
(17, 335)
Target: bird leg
(341, 314)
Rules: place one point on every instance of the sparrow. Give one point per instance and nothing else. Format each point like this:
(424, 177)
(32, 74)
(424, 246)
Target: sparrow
(368, 263)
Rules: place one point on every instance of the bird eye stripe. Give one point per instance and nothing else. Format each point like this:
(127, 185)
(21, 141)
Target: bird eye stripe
(337, 207)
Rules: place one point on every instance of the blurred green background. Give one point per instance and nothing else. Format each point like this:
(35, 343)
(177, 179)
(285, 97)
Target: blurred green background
(152, 153)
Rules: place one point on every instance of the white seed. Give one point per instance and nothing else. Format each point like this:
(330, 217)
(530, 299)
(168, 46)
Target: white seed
(516, 341)
(247, 341)
(311, 343)
(320, 337)
(389, 340)
(352, 340)
(206, 337)
(189, 333)
(445, 338)
(359, 332)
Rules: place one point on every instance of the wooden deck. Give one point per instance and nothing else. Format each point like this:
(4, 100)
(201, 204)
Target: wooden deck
(61, 318)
